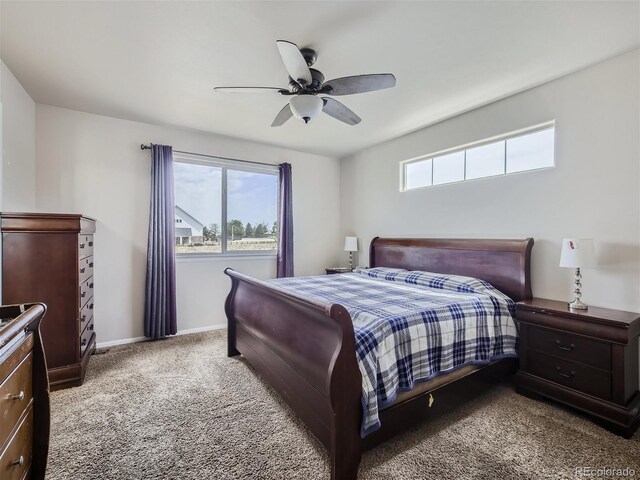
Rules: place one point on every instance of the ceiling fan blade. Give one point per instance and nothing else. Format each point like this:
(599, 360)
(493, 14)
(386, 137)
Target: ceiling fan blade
(359, 84)
(250, 90)
(283, 115)
(340, 112)
(294, 62)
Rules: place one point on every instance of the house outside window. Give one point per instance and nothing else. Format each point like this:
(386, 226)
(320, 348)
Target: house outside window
(189, 231)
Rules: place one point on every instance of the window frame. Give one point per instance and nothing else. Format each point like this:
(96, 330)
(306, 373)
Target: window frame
(468, 146)
(226, 164)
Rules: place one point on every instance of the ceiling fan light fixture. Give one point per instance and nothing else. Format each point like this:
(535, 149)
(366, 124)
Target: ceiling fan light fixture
(306, 107)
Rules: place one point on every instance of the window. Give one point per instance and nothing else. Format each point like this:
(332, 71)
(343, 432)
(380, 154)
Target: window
(224, 206)
(522, 151)
(448, 168)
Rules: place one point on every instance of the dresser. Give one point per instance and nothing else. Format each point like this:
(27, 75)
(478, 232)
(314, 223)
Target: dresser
(48, 258)
(586, 359)
(24, 394)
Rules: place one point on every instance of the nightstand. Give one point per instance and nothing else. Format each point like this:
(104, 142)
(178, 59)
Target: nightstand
(586, 359)
(332, 270)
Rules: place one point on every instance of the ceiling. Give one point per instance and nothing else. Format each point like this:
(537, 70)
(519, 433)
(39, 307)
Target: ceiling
(158, 62)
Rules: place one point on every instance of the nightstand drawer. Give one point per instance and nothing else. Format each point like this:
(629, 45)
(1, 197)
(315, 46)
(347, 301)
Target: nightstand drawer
(569, 347)
(574, 375)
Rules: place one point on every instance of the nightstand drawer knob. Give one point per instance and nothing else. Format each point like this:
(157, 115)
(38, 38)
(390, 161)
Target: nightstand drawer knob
(565, 375)
(566, 349)
(19, 462)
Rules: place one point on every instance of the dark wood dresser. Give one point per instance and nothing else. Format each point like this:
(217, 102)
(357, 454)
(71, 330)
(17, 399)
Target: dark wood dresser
(586, 359)
(48, 258)
(24, 394)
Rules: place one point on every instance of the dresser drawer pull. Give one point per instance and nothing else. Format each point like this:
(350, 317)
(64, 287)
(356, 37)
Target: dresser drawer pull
(91, 244)
(565, 375)
(91, 265)
(19, 462)
(81, 246)
(84, 342)
(91, 307)
(19, 396)
(91, 285)
(91, 327)
(83, 318)
(84, 294)
(566, 349)
(82, 270)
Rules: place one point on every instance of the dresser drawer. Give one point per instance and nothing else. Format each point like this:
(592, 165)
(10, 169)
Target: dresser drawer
(569, 346)
(15, 395)
(85, 245)
(86, 314)
(12, 356)
(15, 461)
(86, 291)
(574, 375)
(85, 338)
(86, 269)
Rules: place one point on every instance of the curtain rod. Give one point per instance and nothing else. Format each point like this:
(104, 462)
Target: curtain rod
(148, 147)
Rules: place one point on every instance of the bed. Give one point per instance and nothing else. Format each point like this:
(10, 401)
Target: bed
(306, 349)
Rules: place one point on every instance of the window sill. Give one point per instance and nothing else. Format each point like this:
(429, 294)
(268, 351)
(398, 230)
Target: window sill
(212, 257)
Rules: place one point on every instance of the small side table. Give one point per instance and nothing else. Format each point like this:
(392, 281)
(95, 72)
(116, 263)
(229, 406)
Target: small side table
(586, 359)
(334, 270)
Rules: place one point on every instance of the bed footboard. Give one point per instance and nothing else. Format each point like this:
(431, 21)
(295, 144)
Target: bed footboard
(306, 351)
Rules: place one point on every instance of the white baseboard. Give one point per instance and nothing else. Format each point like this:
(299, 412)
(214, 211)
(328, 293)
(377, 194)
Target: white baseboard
(202, 329)
(126, 341)
(123, 341)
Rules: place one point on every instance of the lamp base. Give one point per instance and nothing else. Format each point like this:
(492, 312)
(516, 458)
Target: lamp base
(578, 305)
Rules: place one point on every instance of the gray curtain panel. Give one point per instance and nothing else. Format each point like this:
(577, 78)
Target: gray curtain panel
(160, 292)
(285, 223)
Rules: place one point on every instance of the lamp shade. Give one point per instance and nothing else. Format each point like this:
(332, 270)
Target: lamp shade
(306, 107)
(577, 253)
(351, 244)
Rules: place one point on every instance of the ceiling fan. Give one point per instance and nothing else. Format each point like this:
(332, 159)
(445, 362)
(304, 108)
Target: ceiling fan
(306, 84)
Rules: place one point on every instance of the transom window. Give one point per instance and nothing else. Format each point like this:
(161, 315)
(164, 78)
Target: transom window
(224, 206)
(525, 150)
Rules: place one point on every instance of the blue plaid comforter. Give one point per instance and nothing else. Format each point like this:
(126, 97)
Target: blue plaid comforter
(412, 326)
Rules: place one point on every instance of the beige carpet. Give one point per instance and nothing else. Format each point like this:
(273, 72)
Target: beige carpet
(180, 409)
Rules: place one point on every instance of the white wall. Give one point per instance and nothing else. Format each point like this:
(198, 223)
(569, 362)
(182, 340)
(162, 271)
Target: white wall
(593, 191)
(93, 165)
(19, 151)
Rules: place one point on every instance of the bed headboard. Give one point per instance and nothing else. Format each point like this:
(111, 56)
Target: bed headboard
(503, 263)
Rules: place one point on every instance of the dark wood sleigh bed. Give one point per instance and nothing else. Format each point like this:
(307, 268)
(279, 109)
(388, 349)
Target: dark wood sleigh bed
(306, 350)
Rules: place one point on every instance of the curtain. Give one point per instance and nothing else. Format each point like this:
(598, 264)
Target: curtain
(285, 223)
(160, 292)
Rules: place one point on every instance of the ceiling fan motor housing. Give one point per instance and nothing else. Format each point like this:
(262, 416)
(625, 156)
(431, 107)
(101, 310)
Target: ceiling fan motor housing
(317, 79)
(310, 55)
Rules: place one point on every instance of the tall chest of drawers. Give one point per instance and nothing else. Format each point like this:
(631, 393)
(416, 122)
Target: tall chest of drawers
(48, 258)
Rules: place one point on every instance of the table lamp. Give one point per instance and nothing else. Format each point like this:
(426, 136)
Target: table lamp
(351, 245)
(577, 253)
